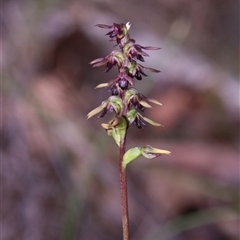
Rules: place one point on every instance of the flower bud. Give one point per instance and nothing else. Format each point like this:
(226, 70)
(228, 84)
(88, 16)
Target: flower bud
(123, 83)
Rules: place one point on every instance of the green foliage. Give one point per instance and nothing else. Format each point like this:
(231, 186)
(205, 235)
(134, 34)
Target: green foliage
(116, 128)
(131, 155)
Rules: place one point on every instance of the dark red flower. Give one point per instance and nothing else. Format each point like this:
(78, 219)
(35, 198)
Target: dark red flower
(117, 32)
(122, 80)
(134, 51)
(114, 58)
(136, 70)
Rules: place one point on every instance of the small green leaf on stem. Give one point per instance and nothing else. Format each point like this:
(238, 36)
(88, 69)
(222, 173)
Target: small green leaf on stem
(131, 155)
(116, 128)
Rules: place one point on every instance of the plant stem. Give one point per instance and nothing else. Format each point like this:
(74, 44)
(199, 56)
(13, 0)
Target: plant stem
(124, 195)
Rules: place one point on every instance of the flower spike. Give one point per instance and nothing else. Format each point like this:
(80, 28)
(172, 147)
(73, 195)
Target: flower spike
(125, 102)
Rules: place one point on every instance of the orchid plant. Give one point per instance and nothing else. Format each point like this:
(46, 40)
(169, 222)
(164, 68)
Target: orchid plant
(126, 102)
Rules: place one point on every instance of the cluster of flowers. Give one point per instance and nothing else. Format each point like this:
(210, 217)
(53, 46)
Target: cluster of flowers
(125, 100)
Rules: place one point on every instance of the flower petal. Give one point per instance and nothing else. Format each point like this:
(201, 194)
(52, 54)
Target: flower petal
(145, 104)
(154, 101)
(128, 25)
(100, 63)
(103, 26)
(96, 60)
(128, 78)
(113, 81)
(150, 48)
(150, 69)
(131, 115)
(105, 126)
(97, 110)
(147, 151)
(101, 85)
(116, 103)
(151, 152)
(149, 121)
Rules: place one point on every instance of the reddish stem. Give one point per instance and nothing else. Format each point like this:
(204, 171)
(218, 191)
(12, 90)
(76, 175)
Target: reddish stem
(124, 195)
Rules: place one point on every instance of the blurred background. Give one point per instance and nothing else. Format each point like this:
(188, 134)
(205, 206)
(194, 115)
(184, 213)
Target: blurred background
(59, 172)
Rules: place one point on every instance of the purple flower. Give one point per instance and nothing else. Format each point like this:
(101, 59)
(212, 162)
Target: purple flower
(113, 104)
(134, 116)
(114, 58)
(117, 32)
(122, 80)
(138, 100)
(136, 70)
(134, 51)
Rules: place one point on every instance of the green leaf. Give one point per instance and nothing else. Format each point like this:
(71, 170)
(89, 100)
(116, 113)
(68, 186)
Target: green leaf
(119, 131)
(116, 128)
(131, 155)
